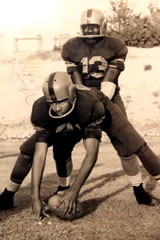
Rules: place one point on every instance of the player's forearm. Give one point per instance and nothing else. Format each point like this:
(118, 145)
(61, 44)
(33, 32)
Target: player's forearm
(87, 166)
(76, 78)
(83, 173)
(37, 172)
(37, 169)
(108, 85)
(111, 75)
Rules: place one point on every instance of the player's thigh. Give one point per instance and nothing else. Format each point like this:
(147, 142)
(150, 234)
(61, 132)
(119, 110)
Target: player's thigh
(28, 147)
(118, 100)
(120, 148)
(121, 132)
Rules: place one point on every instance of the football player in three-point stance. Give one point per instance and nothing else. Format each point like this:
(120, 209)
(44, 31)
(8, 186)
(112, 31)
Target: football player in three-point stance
(96, 61)
(66, 114)
(62, 117)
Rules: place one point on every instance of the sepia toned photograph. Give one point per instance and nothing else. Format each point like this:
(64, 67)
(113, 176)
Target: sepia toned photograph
(80, 120)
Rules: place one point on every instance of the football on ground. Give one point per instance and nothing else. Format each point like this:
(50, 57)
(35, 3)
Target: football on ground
(59, 211)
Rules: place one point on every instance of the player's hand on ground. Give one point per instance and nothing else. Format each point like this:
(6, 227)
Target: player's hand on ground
(38, 210)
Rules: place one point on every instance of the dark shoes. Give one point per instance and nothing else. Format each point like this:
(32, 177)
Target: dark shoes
(60, 189)
(144, 197)
(6, 200)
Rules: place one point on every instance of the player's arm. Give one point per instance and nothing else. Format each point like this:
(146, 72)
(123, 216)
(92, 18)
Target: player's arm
(42, 135)
(36, 177)
(108, 85)
(115, 67)
(76, 78)
(92, 136)
(71, 195)
(72, 68)
(39, 159)
(91, 148)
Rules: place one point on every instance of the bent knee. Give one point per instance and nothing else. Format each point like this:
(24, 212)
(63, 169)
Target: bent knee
(26, 156)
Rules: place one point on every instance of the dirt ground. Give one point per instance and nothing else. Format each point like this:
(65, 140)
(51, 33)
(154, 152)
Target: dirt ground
(110, 209)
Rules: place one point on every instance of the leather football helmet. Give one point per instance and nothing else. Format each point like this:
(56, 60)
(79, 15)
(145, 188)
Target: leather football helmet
(93, 17)
(58, 87)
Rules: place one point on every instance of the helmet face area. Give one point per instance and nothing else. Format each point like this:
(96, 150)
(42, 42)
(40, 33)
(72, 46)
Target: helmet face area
(60, 108)
(60, 93)
(91, 29)
(91, 19)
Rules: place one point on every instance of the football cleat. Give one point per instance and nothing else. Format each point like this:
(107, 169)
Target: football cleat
(6, 200)
(61, 189)
(144, 197)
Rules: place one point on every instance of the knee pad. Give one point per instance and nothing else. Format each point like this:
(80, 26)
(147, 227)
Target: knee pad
(149, 160)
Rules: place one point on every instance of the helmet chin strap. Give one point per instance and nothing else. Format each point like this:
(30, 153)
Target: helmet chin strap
(64, 115)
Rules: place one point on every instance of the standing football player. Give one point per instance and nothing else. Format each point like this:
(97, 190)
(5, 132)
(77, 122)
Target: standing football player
(96, 60)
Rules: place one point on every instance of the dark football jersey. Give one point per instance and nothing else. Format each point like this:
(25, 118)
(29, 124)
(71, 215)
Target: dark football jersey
(93, 60)
(86, 116)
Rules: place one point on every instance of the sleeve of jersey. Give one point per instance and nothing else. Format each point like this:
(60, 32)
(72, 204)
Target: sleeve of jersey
(42, 134)
(93, 130)
(118, 62)
(67, 57)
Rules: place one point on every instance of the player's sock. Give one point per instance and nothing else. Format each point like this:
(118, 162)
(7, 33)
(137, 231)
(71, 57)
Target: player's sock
(141, 195)
(61, 189)
(135, 180)
(64, 181)
(6, 199)
(12, 186)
